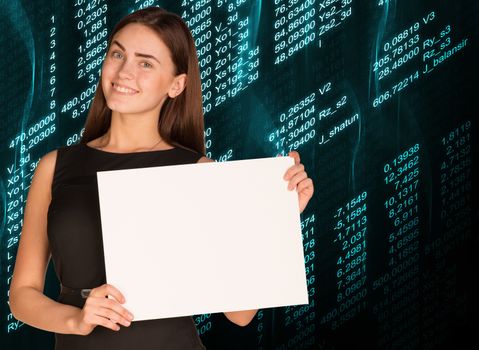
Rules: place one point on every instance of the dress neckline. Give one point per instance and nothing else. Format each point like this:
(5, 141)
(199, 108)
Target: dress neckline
(125, 153)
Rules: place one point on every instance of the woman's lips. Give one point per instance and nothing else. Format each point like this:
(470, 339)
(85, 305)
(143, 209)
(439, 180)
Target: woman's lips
(123, 90)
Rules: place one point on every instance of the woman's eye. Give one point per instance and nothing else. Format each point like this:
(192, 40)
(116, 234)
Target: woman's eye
(116, 54)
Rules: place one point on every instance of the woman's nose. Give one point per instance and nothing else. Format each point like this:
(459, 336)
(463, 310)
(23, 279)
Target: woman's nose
(126, 71)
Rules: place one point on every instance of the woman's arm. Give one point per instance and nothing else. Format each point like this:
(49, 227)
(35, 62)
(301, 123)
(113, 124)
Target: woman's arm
(27, 301)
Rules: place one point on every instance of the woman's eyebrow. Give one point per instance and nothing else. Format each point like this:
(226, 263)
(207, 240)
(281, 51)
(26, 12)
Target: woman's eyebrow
(136, 53)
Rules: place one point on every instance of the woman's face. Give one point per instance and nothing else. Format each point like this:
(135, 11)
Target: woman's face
(138, 72)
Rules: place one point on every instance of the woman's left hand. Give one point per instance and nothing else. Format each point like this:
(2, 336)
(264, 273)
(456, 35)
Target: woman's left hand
(299, 179)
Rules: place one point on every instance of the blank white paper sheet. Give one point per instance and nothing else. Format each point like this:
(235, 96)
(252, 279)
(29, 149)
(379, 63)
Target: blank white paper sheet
(192, 239)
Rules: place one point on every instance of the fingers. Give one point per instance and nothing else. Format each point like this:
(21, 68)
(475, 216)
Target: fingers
(115, 316)
(118, 309)
(293, 170)
(295, 155)
(102, 321)
(107, 289)
(109, 311)
(305, 184)
(296, 179)
(94, 315)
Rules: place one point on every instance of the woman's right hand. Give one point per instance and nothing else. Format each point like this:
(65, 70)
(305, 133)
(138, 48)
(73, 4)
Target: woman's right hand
(101, 311)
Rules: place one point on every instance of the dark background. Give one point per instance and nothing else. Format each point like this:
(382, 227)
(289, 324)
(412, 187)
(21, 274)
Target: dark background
(378, 97)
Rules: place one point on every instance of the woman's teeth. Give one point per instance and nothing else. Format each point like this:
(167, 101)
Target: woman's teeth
(124, 90)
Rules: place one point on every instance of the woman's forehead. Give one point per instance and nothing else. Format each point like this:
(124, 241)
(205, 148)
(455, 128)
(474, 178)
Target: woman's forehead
(135, 36)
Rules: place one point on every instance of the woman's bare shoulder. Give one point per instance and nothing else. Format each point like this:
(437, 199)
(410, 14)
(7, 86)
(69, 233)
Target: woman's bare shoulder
(46, 168)
(48, 160)
(50, 157)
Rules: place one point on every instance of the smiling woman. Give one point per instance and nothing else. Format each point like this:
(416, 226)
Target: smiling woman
(147, 111)
(149, 80)
(126, 72)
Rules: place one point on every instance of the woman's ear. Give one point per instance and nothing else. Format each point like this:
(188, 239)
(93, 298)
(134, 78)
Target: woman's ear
(178, 85)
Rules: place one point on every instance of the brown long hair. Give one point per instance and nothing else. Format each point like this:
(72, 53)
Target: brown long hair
(181, 121)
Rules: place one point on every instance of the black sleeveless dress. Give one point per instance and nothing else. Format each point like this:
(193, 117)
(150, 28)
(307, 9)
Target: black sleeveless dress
(75, 238)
